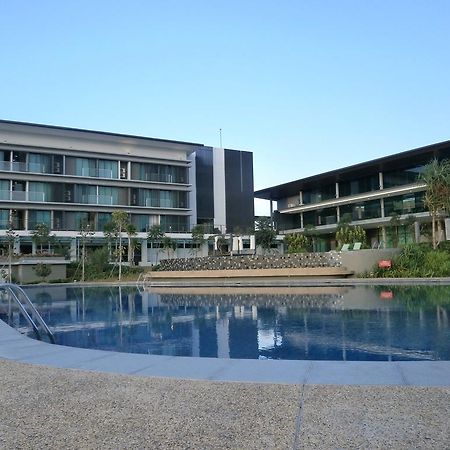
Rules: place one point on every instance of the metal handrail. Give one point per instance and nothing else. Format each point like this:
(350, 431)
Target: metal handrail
(10, 288)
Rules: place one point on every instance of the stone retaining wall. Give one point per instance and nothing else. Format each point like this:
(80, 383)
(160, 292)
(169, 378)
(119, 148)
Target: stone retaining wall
(243, 262)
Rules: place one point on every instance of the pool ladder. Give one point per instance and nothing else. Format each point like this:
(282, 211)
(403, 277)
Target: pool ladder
(18, 294)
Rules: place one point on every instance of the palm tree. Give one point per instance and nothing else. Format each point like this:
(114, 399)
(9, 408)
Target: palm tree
(131, 231)
(155, 234)
(436, 176)
(168, 244)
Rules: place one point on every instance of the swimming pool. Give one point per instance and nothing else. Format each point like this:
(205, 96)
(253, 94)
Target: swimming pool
(322, 323)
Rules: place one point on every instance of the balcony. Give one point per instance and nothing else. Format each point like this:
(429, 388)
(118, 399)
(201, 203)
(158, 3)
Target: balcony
(22, 196)
(9, 166)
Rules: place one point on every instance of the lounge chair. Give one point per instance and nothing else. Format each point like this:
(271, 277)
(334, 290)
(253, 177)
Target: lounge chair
(345, 248)
(357, 246)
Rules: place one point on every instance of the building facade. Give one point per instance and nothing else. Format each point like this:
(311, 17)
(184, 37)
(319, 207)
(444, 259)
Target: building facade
(65, 177)
(369, 194)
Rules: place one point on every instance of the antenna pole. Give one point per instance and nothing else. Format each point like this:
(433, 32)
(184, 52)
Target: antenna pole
(220, 137)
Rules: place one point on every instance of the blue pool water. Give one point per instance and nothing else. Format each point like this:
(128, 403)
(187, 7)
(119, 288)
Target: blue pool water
(322, 323)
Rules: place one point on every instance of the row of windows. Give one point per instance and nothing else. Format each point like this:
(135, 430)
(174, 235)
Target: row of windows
(91, 194)
(90, 167)
(401, 204)
(362, 185)
(73, 220)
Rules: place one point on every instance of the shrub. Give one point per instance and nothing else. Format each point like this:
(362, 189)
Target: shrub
(417, 260)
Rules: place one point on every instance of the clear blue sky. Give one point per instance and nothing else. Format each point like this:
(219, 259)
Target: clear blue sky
(308, 86)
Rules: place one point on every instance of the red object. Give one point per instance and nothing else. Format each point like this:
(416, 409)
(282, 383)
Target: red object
(385, 264)
(386, 295)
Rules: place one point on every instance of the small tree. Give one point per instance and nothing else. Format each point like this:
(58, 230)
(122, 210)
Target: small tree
(198, 236)
(297, 243)
(347, 234)
(169, 245)
(436, 176)
(154, 235)
(264, 233)
(11, 238)
(41, 236)
(85, 233)
(42, 270)
(120, 220)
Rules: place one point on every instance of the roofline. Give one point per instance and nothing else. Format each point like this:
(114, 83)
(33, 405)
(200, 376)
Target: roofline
(264, 193)
(104, 133)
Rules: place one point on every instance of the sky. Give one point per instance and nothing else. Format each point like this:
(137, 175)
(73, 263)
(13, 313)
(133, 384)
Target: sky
(307, 86)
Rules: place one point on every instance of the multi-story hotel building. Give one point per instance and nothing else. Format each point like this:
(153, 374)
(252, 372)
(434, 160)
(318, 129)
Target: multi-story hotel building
(368, 194)
(64, 177)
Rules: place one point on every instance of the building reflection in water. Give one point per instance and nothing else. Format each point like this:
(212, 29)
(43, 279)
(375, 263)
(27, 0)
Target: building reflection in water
(309, 323)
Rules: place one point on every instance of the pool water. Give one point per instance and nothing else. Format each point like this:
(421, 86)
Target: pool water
(322, 323)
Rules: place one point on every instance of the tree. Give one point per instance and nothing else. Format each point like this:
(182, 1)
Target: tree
(168, 244)
(42, 270)
(11, 238)
(120, 220)
(85, 233)
(297, 243)
(347, 234)
(154, 235)
(130, 229)
(264, 233)
(436, 176)
(198, 236)
(395, 224)
(41, 236)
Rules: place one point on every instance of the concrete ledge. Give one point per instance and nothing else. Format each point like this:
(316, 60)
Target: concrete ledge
(17, 347)
(254, 273)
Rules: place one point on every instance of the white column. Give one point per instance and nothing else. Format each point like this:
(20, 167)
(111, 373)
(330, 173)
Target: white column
(220, 217)
(144, 255)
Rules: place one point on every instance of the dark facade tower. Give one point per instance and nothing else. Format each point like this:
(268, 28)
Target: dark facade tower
(224, 189)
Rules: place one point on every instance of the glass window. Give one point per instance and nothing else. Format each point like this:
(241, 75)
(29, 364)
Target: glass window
(39, 163)
(401, 176)
(102, 220)
(38, 217)
(4, 219)
(108, 195)
(319, 195)
(174, 224)
(359, 186)
(39, 192)
(405, 204)
(107, 168)
(362, 210)
(319, 217)
(85, 167)
(4, 190)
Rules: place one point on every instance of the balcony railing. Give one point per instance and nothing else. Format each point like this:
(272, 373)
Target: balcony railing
(24, 167)
(96, 173)
(22, 196)
(97, 199)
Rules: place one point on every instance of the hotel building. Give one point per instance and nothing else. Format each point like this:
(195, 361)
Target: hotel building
(64, 177)
(367, 194)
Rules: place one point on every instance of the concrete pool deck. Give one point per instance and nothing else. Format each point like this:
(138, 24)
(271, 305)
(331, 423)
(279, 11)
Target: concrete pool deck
(20, 348)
